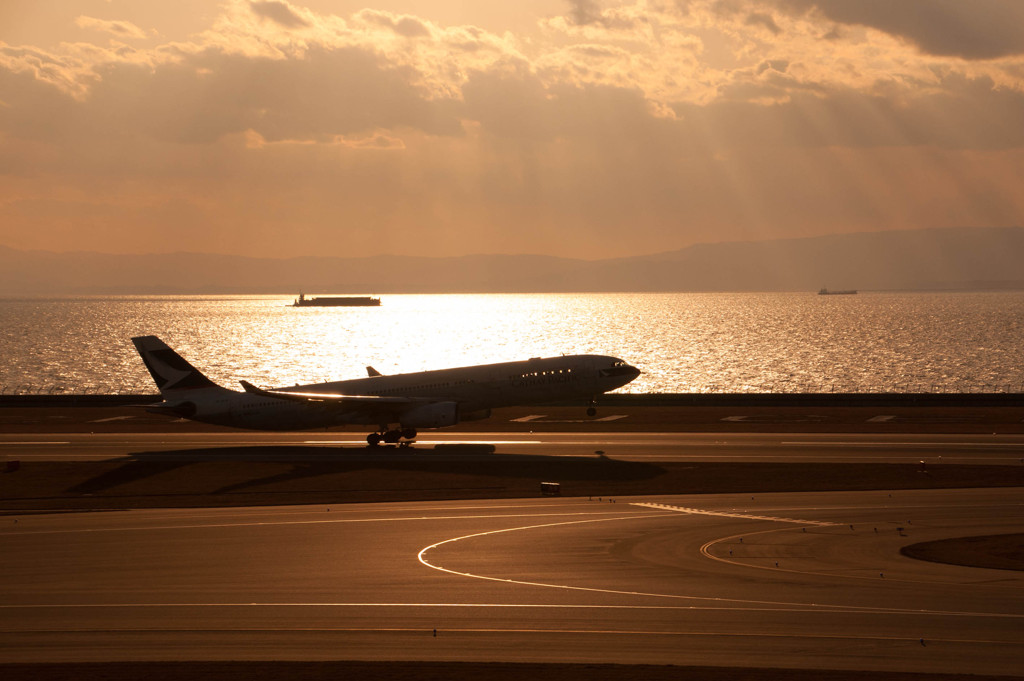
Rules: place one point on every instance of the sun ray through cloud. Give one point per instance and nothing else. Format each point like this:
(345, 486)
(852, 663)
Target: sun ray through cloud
(677, 122)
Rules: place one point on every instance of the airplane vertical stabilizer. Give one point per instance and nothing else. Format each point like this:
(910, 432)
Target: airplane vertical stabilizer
(170, 371)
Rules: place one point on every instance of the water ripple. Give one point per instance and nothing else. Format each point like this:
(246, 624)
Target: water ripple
(705, 343)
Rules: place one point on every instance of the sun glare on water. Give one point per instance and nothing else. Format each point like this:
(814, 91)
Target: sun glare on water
(687, 343)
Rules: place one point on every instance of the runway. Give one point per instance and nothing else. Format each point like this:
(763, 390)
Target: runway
(779, 580)
(809, 580)
(987, 449)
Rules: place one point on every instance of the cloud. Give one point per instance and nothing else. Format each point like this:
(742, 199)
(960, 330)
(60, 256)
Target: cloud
(763, 20)
(350, 78)
(404, 25)
(518, 104)
(120, 29)
(963, 113)
(327, 92)
(587, 16)
(974, 29)
(584, 12)
(376, 132)
(279, 12)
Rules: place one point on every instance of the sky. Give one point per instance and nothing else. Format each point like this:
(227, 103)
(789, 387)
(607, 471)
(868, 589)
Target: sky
(574, 128)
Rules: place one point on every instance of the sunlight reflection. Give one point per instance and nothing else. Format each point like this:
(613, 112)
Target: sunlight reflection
(744, 342)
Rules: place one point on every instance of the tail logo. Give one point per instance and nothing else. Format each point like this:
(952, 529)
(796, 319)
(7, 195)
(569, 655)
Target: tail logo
(170, 371)
(169, 374)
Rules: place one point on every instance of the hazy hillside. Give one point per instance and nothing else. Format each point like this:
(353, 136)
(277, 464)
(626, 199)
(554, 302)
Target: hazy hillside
(923, 259)
(920, 259)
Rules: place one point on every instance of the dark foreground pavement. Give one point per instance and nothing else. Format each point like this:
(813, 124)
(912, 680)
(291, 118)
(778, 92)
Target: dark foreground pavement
(441, 671)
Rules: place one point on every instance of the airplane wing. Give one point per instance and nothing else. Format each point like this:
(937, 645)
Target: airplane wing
(370, 408)
(342, 400)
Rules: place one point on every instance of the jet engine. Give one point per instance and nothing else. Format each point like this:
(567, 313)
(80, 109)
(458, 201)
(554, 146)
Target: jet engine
(435, 415)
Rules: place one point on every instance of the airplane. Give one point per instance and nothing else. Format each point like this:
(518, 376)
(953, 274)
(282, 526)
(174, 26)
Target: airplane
(425, 399)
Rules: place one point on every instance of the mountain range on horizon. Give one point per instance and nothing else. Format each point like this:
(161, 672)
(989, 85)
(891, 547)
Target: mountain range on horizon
(927, 259)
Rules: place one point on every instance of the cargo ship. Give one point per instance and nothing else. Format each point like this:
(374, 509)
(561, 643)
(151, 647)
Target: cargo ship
(336, 301)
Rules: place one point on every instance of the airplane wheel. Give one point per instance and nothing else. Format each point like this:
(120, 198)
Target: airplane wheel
(409, 433)
(392, 437)
(373, 439)
(591, 411)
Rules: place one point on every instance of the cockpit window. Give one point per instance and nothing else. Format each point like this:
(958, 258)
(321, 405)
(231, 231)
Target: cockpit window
(619, 368)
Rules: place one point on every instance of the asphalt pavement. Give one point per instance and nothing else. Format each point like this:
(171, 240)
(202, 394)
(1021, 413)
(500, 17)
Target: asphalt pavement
(787, 580)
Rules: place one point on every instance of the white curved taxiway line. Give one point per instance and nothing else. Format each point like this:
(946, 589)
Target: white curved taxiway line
(749, 603)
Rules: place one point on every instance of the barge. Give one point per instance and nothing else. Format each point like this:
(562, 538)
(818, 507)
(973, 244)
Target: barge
(336, 301)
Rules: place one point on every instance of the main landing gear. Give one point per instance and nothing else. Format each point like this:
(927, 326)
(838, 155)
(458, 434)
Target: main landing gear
(393, 436)
(592, 409)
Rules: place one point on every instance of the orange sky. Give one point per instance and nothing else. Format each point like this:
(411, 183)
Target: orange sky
(573, 128)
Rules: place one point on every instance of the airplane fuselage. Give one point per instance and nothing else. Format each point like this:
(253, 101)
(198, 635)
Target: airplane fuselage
(489, 386)
(426, 399)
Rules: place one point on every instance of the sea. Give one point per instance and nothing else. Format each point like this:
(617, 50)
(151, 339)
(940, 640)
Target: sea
(872, 342)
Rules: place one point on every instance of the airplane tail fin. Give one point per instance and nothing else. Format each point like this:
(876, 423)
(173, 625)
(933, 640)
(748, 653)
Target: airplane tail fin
(170, 371)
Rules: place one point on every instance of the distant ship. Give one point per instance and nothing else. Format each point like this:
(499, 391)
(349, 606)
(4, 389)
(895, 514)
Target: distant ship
(847, 292)
(336, 301)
